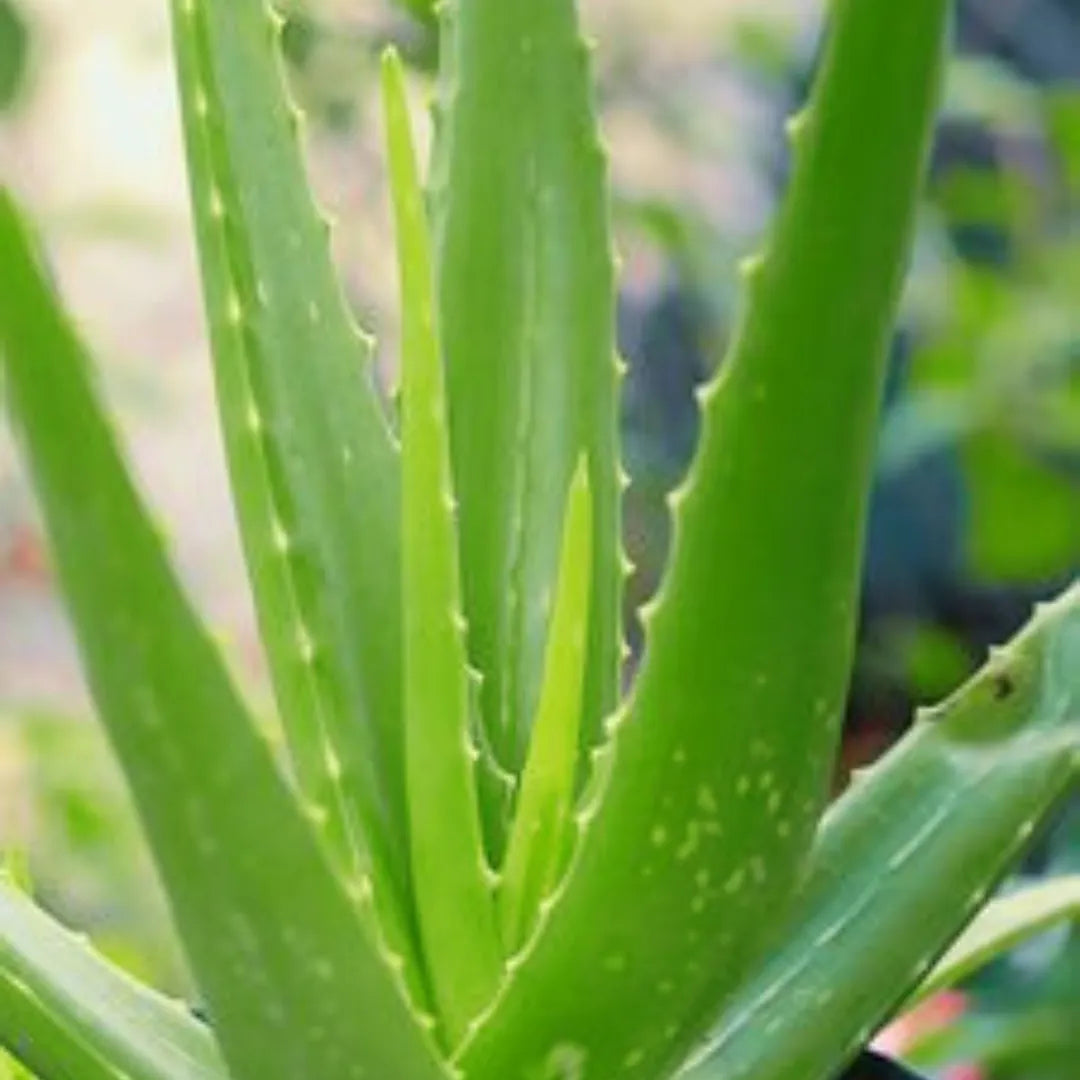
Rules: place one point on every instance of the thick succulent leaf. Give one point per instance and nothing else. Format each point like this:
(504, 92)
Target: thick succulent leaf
(719, 764)
(907, 855)
(496, 786)
(454, 894)
(312, 462)
(11, 1069)
(277, 944)
(526, 301)
(543, 821)
(66, 1012)
(1002, 925)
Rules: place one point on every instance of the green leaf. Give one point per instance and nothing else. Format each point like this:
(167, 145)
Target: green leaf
(543, 821)
(496, 787)
(908, 854)
(313, 466)
(454, 894)
(276, 943)
(526, 303)
(16, 870)
(69, 1013)
(14, 53)
(719, 765)
(1001, 926)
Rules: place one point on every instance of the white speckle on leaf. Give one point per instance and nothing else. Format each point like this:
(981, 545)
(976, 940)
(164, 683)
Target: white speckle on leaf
(615, 962)
(333, 763)
(280, 537)
(735, 881)
(565, 1062)
(305, 644)
(706, 799)
(254, 419)
(690, 842)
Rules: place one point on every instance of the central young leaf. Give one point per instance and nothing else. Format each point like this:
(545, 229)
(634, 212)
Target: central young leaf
(526, 303)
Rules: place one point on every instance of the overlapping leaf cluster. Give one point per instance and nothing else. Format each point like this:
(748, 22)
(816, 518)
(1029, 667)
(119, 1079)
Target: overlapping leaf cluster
(489, 864)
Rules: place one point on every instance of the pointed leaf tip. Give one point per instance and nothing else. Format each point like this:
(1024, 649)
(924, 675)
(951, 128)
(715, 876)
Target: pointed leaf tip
(454, 903)
(541, 825)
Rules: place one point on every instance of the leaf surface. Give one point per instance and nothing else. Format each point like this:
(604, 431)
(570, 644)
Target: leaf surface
(278, 946)
(907, 855)
(454, 888)
(526, 303)
(69, 1013)
(718, 766)
(313, 466)
(1002, 925)
(543, 822)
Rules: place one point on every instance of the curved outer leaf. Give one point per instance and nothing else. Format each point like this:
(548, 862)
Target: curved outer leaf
(1001, 926)
(313, 466)
(276, 943)
(526, 303)
(718, 771)
(454, 888)
(907, 855)
(68, 1013)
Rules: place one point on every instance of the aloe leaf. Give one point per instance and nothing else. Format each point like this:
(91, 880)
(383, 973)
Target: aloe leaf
(312, 462)
(907, 855)
(276, 943)
(15, 872)
(454, 896)
(543, 820)
(1001, 926)
(16, 868)
(496, 786)
(719, 763)
(526, 302)
(66, 1012)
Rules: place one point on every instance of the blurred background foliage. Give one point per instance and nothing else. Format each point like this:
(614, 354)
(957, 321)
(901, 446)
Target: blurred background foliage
(976, 508)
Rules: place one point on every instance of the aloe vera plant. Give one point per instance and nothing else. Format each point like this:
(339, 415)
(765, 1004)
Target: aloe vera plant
(484, 860)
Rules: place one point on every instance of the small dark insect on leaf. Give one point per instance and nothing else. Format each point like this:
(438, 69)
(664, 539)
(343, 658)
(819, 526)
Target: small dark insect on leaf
(872, 1066)
(200, 1012)
(1003, 685)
